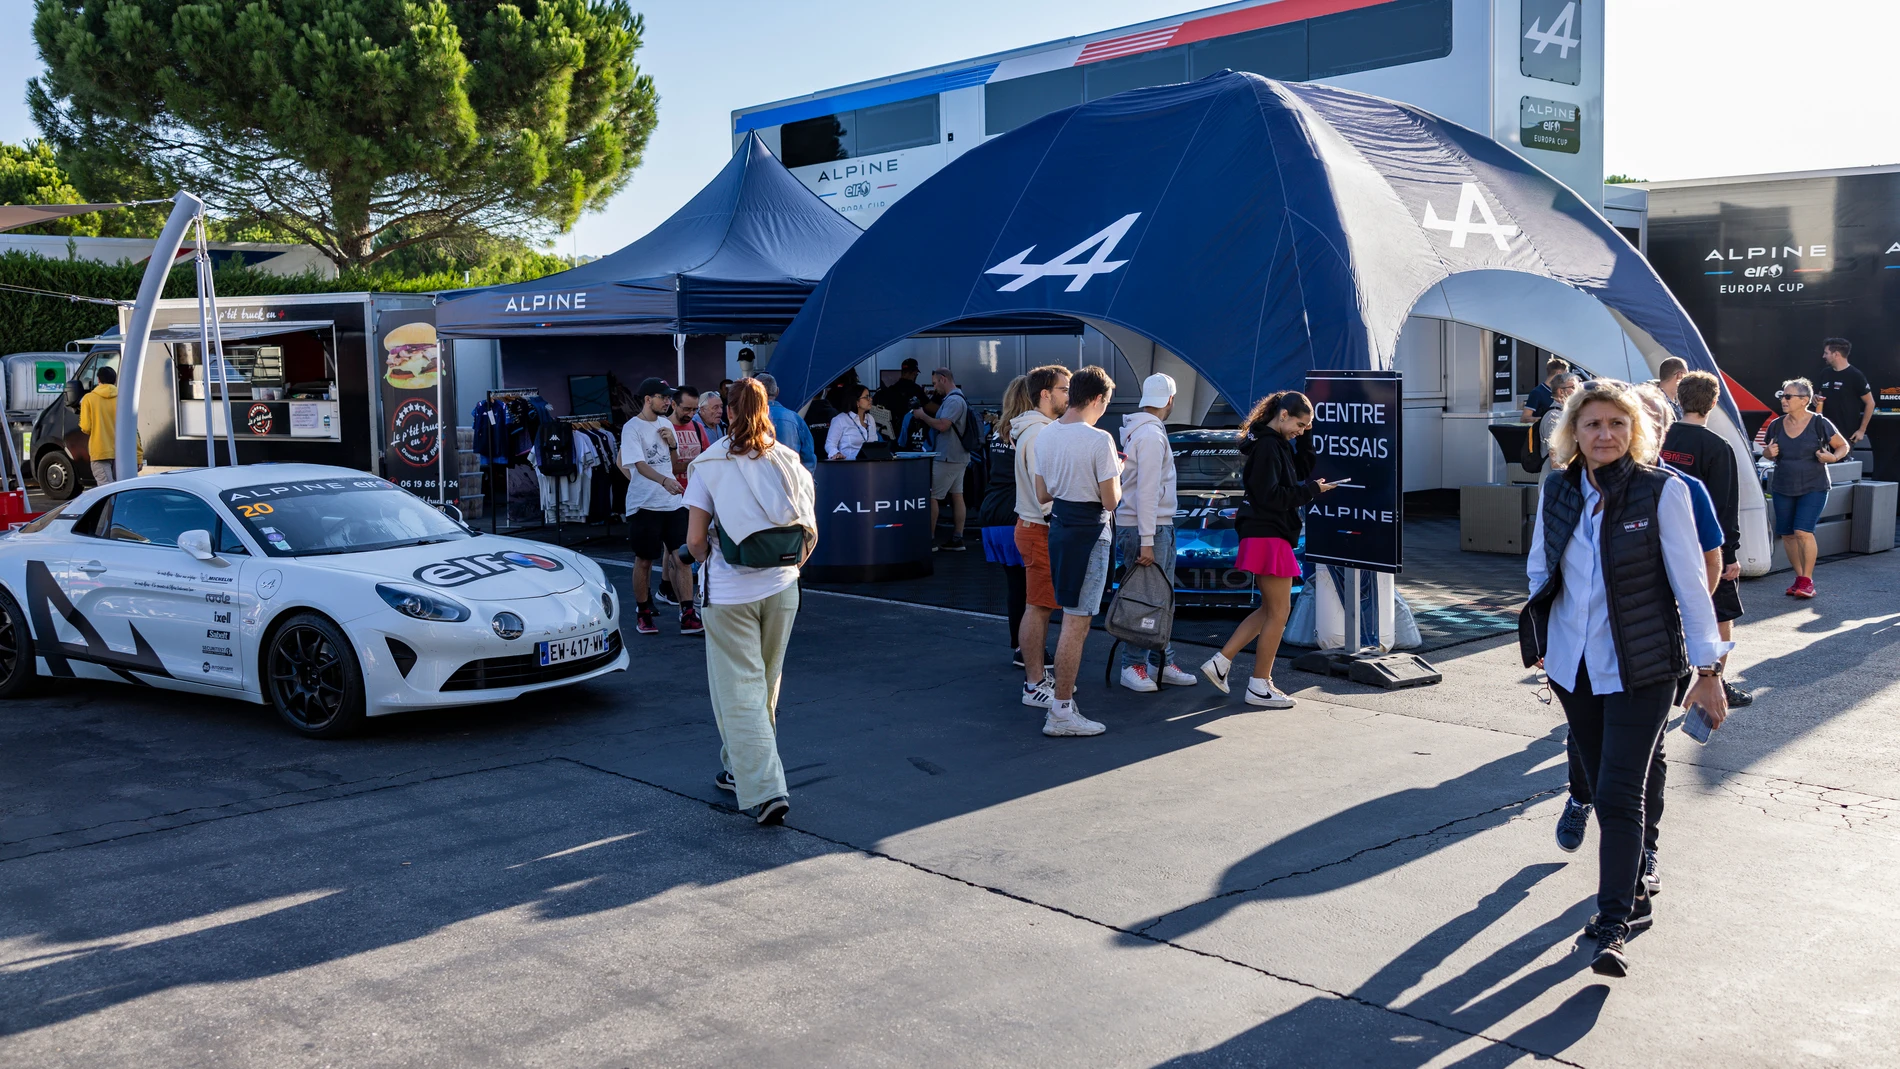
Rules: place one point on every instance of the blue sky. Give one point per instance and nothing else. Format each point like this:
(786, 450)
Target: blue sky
(1694, 87)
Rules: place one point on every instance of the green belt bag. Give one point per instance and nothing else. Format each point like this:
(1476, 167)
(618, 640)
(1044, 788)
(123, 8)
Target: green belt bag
(773, 547)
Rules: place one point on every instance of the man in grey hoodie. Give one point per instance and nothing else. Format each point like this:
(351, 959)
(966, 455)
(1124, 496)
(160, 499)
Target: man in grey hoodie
(1144, 521)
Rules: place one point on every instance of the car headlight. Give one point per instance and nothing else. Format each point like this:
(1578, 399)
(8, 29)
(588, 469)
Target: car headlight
(422, 605)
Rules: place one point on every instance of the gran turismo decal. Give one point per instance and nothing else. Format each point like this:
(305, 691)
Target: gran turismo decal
(44, 596)
(459, 571)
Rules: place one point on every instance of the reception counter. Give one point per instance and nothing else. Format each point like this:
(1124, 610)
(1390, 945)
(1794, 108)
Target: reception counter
(873, 521)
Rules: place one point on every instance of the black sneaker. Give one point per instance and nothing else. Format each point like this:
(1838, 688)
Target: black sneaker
(1572, 825)
(1642, 916)
(664, 595)
(1737, 699)
(1651, 879)
(690, 623)
(1016, 657)
(644, 622)
(1611, 957)
(724, 782)
(773, 812)
(955, 545)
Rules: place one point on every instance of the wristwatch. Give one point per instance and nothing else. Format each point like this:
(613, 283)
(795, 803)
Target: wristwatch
(1709, 671)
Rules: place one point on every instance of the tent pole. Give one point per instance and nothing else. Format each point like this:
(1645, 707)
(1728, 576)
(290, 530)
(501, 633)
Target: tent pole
(679, 357)
(205, 327)
(1353, 643)
(138, 334)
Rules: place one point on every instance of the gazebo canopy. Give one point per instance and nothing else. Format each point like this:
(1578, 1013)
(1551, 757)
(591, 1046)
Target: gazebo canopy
(740, 257)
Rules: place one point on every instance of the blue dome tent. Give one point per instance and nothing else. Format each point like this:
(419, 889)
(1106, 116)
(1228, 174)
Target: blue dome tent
(1254, 229)
(740, 257)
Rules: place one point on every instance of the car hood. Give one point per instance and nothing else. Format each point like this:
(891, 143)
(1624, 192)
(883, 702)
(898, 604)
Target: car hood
(487, 568)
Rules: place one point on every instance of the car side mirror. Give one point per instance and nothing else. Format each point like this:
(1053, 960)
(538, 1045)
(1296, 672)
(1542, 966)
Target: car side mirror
(75, 391)
(198, 544)
(452, 511)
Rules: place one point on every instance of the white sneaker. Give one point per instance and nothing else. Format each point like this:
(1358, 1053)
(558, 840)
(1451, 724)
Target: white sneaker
(1173, 676)
(1040, 695)
(1271, 697)
(1216, 672)
(1135, 677)
(1072, 722)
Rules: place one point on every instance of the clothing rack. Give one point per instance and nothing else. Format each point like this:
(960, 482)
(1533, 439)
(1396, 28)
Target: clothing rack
(584, 421)
(498, 503)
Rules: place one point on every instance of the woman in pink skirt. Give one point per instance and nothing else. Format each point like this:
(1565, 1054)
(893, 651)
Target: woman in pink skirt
(1279, 485)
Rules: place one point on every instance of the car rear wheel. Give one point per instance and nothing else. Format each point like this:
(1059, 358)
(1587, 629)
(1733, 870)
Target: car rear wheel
(58, 476)
(312, 678)
(17, 668)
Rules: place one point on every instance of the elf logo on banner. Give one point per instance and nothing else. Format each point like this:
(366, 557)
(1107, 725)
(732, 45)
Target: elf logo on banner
(1102, 241)
(1474, 216)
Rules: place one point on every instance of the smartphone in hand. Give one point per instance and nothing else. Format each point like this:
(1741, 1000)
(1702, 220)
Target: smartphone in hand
(1696, 725)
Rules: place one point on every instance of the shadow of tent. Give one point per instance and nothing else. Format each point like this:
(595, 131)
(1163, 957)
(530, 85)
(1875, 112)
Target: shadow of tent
(1335, 1031)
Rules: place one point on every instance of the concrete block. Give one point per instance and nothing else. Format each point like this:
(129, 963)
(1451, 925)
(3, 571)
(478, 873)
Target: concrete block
(1845, 471)
(1875, 504)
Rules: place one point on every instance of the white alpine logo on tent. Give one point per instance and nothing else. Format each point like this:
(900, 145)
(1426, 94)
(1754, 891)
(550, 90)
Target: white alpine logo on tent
(1470, 200)
(1559, 33)
(1102, 241)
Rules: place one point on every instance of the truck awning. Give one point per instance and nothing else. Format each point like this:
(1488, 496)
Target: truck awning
(189, 332)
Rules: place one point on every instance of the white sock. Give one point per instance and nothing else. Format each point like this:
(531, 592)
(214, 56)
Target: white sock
(1064, 708)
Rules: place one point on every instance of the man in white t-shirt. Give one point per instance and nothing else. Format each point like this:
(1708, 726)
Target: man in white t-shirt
(1078, 473)
(656, 509)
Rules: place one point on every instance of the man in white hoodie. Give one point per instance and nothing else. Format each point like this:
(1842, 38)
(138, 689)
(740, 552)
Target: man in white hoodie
(1049, 394)
(1144, 522)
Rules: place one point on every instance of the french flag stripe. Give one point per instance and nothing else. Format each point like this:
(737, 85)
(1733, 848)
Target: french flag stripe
(1128, 46)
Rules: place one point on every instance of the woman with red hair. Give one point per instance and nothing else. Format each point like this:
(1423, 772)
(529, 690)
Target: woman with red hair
(751, 523)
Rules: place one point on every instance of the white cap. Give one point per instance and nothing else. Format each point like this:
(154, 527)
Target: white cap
(1157, 390)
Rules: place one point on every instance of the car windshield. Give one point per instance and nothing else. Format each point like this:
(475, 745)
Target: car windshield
(295, 519)
(1208, 462)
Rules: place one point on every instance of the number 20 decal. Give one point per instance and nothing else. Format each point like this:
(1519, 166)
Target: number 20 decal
(251, 511)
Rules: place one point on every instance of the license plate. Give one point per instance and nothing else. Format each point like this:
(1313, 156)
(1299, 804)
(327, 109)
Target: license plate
(571, 649)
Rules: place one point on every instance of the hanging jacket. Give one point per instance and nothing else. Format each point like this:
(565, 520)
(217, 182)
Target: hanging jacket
(1149, 485)
(1278, 486)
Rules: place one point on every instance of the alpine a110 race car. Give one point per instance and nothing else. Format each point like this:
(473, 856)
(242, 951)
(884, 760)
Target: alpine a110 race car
(327, 593)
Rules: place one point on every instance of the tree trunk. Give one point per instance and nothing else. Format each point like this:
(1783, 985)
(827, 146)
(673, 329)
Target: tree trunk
(349, 213)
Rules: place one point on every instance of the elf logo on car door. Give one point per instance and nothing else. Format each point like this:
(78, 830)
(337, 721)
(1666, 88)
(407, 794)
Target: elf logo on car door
(459, 571)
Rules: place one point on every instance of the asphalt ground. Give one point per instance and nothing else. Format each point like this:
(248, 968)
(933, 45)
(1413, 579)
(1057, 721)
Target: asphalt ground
(1368, 879)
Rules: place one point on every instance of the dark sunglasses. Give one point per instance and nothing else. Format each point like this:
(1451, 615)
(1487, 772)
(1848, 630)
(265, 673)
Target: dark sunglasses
(1784, 394)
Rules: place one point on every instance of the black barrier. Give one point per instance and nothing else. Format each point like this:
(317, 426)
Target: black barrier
(873, 521)
(1356, 432)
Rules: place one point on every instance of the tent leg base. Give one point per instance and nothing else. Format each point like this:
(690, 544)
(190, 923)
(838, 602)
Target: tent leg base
(1390, 671)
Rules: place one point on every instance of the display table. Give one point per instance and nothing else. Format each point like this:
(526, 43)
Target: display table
(873, 521)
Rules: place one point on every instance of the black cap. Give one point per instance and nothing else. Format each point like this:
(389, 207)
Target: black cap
(909, 364)
(652, 386)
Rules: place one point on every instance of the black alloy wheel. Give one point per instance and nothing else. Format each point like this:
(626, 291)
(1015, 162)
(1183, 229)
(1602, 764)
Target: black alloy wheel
(58, 476)
(17, 668)
(312, 678)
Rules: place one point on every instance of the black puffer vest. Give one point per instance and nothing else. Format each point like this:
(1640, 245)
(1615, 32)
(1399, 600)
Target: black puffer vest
(1644, 620)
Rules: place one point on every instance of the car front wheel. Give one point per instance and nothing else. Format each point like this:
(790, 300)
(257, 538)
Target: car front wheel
(312, 678)
(17, 668)
(58, 476)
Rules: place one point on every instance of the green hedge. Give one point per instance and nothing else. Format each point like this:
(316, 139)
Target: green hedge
(35, 323)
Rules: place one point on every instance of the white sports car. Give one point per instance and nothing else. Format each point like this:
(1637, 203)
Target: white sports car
(328, 593)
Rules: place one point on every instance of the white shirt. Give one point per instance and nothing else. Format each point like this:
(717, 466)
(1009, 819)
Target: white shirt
(722, 582)
(640, 440)
(1074, 460)
(1580, 617)
(847, 436)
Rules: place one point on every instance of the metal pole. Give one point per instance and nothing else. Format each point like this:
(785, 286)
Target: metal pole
(138, 334)
(224, 367)
(679, 354)
(1353, 643)
(200, 263)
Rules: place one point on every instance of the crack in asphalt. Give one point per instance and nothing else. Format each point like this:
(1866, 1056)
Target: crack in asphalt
(1344, 996)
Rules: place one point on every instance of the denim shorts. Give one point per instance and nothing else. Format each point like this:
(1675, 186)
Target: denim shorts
(1094, 581)
(1799, 512)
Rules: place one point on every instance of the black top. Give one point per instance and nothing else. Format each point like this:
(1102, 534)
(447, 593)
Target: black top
(896, 398)
(1706, 455)
(998, 508)
(1278, 486)
(1841, 391)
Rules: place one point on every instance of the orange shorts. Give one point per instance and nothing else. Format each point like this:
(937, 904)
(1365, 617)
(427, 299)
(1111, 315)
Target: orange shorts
(1032, 541)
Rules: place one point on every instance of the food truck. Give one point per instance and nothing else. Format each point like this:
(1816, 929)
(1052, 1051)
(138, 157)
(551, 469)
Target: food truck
(350, 379)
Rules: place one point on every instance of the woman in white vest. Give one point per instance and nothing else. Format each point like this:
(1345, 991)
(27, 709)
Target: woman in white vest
(752, 521)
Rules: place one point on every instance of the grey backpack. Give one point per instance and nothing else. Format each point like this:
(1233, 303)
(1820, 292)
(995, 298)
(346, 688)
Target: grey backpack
(1142, 613)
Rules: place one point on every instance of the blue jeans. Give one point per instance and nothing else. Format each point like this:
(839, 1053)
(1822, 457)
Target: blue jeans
(1798, 512)
(1128, 547)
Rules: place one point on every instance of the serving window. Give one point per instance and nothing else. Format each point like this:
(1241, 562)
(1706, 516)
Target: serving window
(280, 385)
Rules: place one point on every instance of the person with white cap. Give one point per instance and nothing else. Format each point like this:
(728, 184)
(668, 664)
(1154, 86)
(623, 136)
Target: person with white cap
(1144, 521)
